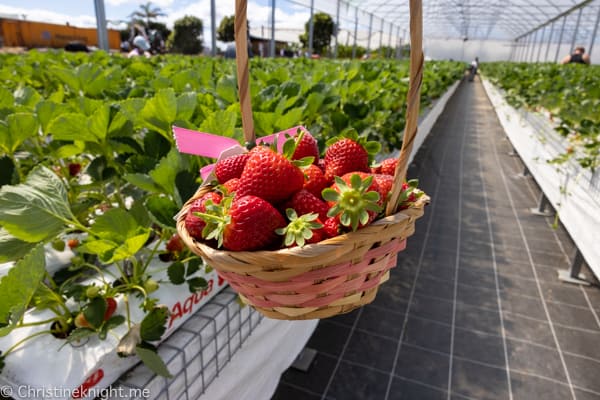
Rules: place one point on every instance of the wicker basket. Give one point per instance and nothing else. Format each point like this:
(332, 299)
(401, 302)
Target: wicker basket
(336, 275)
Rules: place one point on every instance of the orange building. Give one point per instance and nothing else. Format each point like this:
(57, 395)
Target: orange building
(30, 34)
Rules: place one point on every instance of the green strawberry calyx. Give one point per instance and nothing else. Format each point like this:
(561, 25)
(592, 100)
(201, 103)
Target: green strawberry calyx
(216, 218)
(352, 202)
(300, 229)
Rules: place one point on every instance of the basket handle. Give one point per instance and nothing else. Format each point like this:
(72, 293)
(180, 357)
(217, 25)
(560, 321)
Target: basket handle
(413, 97)
(413, 102)
(241, 57)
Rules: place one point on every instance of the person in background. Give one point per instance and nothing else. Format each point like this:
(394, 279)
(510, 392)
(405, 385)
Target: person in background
(578, 57)
(141, 47)
(473, 69)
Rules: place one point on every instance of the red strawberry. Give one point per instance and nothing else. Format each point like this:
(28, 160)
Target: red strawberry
(252, 224)
(345, 156)
(318, 235)
(307, 147)
(376, 169)
(270, 176)
(385, 183)
(194, 224)
(72, 243)
(231, 167)
(332, 227)
(175, 244)
(314, 180)
(111, 306)
(388, 166)
(232, 185)
(304, 202)
(74, 169)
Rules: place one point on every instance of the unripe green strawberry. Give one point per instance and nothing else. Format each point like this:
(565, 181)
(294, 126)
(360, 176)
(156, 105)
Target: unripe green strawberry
(92, 291)
(150, 286)
(58, 245)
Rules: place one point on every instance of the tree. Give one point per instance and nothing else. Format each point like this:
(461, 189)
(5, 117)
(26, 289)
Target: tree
(186, 37)
(147, 13)
(226, 31)
(322, 31)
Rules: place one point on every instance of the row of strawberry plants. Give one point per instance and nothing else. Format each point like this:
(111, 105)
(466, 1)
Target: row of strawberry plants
(87, 149)
(569, 93)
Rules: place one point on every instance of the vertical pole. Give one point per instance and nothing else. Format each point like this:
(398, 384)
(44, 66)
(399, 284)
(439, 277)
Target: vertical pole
(213, 28)
(369, 37)
(533, 42)
(355, 32)
(381, 39)
(512, 50)
(337, 29)
(594, 33)
(101, 25)
(389, 51)
(272, 47)
(574, 39)
(560, 37)
(549, 41)
(311, 27)
(399, 45)
(537, 59)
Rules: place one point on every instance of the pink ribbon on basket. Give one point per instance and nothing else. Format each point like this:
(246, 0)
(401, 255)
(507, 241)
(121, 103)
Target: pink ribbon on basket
(215, 146)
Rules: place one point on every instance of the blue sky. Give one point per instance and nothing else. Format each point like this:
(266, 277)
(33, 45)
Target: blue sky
(81, 12)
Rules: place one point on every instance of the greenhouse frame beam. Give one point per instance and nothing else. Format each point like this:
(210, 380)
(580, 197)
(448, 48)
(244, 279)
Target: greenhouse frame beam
(574, 38)
(272, 42)
(213, 28)
(101, 25)
(311, 27)
(549, 41)
(562, 31)
(594, 33)
(559, 16)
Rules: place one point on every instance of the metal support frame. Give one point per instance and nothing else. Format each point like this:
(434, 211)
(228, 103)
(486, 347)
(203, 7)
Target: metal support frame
(311, 27)
(355, 32)
(213, 28)
(541, 209)
(389, 50)
(574, 274)
(549, 41)
(533, 42)
(591, 47)
(560, 37)
(399, 46)
(101, 25)
(272, 44)
(574, 38)
(369, 37)
(337, 29)
(537, 59)
(381, 36)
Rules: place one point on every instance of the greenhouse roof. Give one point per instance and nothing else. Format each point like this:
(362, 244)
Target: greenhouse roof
(489, 19)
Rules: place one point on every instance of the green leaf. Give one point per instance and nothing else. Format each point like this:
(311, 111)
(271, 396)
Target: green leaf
(160, 112)
(19, 286)
(98, 123)
(153, 325)
(143, 181)
(131, 246)
(79, 334)
(11, 248)
(186, 105)
(291, 118)
(114, 321)
(116, 225)
(227, 90)
(102, 248)
(94, 311)
(6, 98)
(197, 284)
(18, 128)
(176, 273)
(71, 126)
(162, 210)
(153, 361)
(27, 96)
(193, 266)
(37, 209)
(166, 171)
(220, 123)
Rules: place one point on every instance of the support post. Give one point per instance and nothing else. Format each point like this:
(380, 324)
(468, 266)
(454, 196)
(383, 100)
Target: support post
(311, 27)
(272, 44)
(574, 38)
(399, 46)
(549, 41)
(560, 37)
(355, 32)
(574, 274)
(369, 37)
(337, 29)
(389, 51)
(101, 25)
(213, 28)
(537, 59)
(591, 47)
(541, 209)
(533, 42)
(381, 38)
